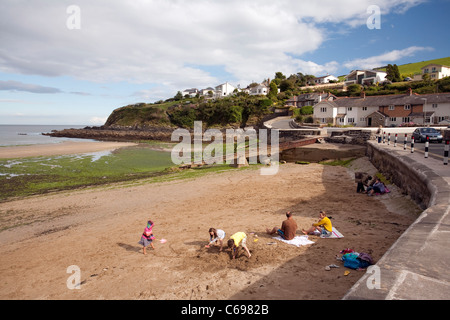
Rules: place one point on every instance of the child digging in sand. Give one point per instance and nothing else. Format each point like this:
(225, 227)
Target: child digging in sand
(216, 235)
(323, 225)
(239, 238)
(147, 237)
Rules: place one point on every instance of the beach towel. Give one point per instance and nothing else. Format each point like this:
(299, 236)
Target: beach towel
(335, 234)
(297, 241)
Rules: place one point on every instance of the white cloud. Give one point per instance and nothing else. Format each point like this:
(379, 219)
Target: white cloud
(97, 120)
(385, 58)
(161, 41)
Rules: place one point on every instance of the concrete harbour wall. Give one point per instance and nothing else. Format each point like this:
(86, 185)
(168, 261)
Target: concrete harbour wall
(416, 266)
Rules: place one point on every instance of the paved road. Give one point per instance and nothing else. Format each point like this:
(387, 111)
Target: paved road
(435, 150)
(282, 123)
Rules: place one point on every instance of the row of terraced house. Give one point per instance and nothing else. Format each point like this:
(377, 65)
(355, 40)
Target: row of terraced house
(374, 111)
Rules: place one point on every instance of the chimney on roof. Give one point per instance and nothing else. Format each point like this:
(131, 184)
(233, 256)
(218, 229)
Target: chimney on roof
(363, 94)
(410, 91)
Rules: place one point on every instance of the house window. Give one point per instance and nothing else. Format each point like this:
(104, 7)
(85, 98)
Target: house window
(349, 109)
(351, 120)
(391, 107)
(362, 119)
(407, 107)
(341, 120)
(323, 120)
(434, 105)
(405, 119)
(392, 119)
(364, 108)
(323, 109)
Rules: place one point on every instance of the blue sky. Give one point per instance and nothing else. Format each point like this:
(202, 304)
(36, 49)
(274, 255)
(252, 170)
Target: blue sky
(74, 65)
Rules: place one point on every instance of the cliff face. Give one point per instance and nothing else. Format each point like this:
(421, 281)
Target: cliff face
(130, 123)
(138, 116)
(157, 121)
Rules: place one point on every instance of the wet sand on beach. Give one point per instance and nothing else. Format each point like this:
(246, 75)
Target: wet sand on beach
(63, 148)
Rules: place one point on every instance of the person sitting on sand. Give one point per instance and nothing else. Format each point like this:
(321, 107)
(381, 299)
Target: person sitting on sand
(216, 235)
(363, 182)
(378, 187)
(147, 237)
(324, 225)
(239, 238)
(288, 228)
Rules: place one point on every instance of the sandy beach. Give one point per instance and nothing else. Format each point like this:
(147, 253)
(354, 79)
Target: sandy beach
(98, 229)
(55, 149)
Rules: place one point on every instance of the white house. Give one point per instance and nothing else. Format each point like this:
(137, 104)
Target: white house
(365, 77)
(190, 92)
(387, 110)
(260, 89)
(436, 71)
(437, 105)
(325, 79)
(207, 91)
(342, 111)
(223, 90)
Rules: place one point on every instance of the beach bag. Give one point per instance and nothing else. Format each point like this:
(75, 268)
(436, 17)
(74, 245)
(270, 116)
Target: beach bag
(365, 260)
(351, 261)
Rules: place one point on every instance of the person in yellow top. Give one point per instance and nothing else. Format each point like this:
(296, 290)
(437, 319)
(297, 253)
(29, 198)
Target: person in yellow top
(324, 225)
(239, 238)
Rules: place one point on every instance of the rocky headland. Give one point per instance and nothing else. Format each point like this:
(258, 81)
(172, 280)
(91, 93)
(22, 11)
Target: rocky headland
(116, 133)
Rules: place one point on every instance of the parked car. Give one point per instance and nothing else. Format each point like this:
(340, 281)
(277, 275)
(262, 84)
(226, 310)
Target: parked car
(421, 134)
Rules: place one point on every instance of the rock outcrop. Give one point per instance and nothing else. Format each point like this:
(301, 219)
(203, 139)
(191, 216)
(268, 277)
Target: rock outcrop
(116, 133)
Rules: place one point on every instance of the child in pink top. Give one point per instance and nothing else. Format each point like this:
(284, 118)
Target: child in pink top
(147, 237)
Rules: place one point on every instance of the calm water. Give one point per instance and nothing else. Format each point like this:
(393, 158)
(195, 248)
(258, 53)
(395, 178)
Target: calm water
(14, 135)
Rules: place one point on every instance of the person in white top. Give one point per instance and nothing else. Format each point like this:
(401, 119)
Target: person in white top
(216, 235)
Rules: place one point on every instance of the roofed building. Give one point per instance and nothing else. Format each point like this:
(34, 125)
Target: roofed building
(388, 110)
(436, 71)
(365, 77)
(309, 99)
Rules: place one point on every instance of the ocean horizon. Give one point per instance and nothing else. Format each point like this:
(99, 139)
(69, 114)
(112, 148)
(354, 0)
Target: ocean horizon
(22, 134)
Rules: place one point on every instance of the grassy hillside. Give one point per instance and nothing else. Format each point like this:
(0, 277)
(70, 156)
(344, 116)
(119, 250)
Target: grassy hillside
(239, 110)
(409, 69)
(140, 115)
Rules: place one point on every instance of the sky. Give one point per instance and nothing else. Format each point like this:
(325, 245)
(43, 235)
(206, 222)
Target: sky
(74, 62)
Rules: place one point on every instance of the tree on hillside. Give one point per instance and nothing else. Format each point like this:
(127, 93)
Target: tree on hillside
(273, 91)
(280, 75)
(397, 73)
(286, 85)
(178, 96)
(310, 78)
(393, 74)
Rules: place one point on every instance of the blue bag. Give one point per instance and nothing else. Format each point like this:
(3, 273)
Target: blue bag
(351, 261)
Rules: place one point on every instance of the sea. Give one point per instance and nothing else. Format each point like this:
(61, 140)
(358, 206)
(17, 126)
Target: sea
(18, 135)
